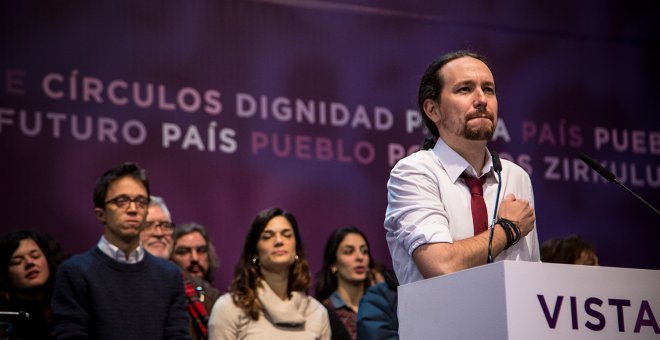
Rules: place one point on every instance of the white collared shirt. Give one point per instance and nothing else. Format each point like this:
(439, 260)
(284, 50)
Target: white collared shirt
(119, 255)
(428, 203)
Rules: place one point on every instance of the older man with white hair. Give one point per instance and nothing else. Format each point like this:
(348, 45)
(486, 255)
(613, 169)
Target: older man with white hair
(156, 235)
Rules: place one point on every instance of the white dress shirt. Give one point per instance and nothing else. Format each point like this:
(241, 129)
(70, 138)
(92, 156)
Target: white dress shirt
(119, 255)
(429, 203)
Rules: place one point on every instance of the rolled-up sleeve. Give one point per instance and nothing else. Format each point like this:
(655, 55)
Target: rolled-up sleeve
(415, 212)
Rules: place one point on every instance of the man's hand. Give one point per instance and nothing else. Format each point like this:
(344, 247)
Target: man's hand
(519, 212)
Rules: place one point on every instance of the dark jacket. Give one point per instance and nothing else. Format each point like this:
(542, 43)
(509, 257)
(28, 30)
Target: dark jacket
(377, 318)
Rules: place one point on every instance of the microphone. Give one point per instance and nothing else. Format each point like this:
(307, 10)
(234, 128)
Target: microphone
(598, 168)
(497, 167)
(610, 177)
(20, 314)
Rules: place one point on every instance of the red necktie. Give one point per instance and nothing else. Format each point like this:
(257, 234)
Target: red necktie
(477, 203)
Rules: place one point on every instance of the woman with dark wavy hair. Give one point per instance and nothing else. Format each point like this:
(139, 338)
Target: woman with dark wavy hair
(345, 276)
(28, 262)
(267, 298)
(571, 250)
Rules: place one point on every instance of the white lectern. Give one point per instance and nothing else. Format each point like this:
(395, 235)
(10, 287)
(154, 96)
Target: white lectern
(529, 300)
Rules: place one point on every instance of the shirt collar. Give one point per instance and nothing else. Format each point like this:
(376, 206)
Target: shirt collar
(455, 164)
(336, 300)
(119, 255)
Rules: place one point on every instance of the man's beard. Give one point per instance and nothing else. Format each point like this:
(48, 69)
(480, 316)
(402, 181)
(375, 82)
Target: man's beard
(477, 134)
(196, 265)
(460, 127)
(464, 131)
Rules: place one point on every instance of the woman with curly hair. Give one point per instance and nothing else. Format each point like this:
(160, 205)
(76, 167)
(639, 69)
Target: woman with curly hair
(28, 262)
(267, 298)
(345, 276)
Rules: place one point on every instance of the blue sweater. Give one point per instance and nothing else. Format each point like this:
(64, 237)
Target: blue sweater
(96, 297)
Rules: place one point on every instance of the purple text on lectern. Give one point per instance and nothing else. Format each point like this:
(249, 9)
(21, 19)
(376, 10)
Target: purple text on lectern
(645, 316)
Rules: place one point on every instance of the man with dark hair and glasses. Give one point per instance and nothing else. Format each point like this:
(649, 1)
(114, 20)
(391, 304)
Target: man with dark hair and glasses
(156, 236)
(117, 290)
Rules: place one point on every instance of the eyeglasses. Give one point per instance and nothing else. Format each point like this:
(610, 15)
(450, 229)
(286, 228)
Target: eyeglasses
(165, 227)
(124, 201)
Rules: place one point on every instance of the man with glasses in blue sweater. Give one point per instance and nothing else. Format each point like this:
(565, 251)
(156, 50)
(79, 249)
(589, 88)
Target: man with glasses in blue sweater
(117, 290)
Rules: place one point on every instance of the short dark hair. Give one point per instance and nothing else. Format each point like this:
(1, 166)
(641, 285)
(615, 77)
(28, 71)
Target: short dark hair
(110, 176)
(565, 250)
(187, 228)
(431, 85)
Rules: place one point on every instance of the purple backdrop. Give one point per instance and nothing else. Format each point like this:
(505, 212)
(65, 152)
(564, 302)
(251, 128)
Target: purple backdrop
(235, 106)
